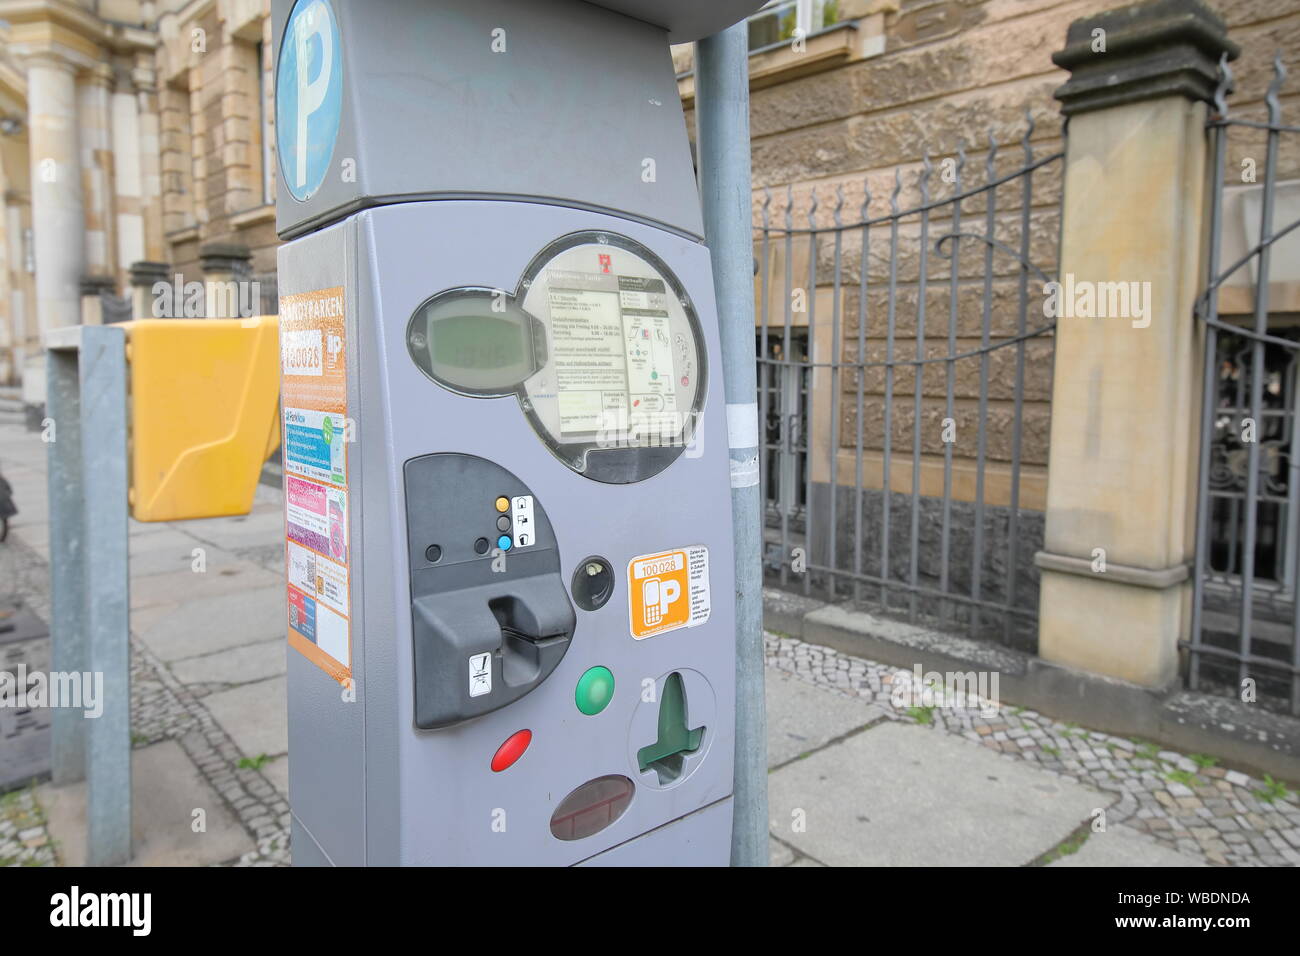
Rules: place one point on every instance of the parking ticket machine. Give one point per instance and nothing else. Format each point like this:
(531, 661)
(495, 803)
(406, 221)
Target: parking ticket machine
(509, 594)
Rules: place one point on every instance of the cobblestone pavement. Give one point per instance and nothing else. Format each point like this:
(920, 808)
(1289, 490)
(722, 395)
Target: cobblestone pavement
(24, 840)
(1184, 801)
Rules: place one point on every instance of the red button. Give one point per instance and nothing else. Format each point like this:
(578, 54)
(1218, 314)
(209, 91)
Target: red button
(511, 750)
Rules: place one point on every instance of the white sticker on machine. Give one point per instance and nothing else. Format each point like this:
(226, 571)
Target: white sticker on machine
(480, 674)
(521, 521)
(667, 591)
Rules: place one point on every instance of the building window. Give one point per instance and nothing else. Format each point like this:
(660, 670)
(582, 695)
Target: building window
(779, 20)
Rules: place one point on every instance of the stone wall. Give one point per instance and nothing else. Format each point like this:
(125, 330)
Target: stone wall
(217, 107)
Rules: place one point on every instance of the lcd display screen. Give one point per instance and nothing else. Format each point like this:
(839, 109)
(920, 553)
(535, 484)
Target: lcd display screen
(473, 340)
(479, 342)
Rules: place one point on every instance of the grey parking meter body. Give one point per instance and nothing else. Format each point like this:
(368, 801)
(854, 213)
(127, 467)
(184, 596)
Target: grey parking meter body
(509, 558)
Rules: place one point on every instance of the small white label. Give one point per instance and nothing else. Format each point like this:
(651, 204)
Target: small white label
(521, 521)
(480, 674)
(742, 425)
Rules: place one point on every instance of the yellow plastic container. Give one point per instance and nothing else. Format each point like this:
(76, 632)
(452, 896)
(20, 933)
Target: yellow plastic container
(204, 414)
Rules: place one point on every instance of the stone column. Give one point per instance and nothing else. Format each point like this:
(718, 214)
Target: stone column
(128, 185)
(227, 268)
(93, 288)
(57, 215)
(144, 275)
(95, 140)
(148, 119)
(10, 330)
(1121, 476)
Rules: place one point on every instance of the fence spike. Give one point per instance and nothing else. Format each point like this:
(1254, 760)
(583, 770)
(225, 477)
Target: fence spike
(1224, 88)
(789, 206)
(993, 154)
(1271, 97)
(898, 188)
(926, 169)
(866, 197)
(767, 202)
(812, 210)
(1029, 132)
(839, 203)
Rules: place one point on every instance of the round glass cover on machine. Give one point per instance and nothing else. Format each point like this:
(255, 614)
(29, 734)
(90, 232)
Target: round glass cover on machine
(600, 344)
(620, 394)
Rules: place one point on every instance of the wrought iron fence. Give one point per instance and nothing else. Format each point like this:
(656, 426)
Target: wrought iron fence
(1245, 634)
(902, 428)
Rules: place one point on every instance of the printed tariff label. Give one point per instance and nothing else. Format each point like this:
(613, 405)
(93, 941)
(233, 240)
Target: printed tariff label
(313, 365)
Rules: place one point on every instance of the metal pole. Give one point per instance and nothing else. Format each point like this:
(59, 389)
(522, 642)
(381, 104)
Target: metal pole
(107, 589)
(722, 124)
(67, 567)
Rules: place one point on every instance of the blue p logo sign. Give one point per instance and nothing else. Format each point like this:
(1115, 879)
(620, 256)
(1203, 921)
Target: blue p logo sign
(308, 96)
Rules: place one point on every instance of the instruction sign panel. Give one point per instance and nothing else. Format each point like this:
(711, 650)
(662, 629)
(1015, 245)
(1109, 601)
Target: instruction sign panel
(614, 362)
(313, 365)
(668, 591)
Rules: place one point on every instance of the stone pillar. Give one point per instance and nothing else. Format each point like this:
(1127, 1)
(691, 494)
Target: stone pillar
(57, 216)
(94, 122)
(10, 330)
(93, 288)
(148, 119)
(227, 268)
(144, 275)
(128, 176)
(1121, 502)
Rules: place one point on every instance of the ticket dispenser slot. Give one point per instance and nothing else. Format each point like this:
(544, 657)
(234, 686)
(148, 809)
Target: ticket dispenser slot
(490, 614)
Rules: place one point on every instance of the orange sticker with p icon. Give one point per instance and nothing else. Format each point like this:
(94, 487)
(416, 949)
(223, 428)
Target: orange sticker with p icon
(668, 590)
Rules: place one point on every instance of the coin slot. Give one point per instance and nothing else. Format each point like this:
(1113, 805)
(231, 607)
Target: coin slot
(593, 583)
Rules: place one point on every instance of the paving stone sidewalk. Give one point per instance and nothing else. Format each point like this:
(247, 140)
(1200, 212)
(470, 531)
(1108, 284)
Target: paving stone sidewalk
(207, 688)
(924, 788)
(855, 779)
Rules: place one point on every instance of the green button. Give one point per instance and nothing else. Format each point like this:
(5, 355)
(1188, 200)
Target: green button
(595, 690)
